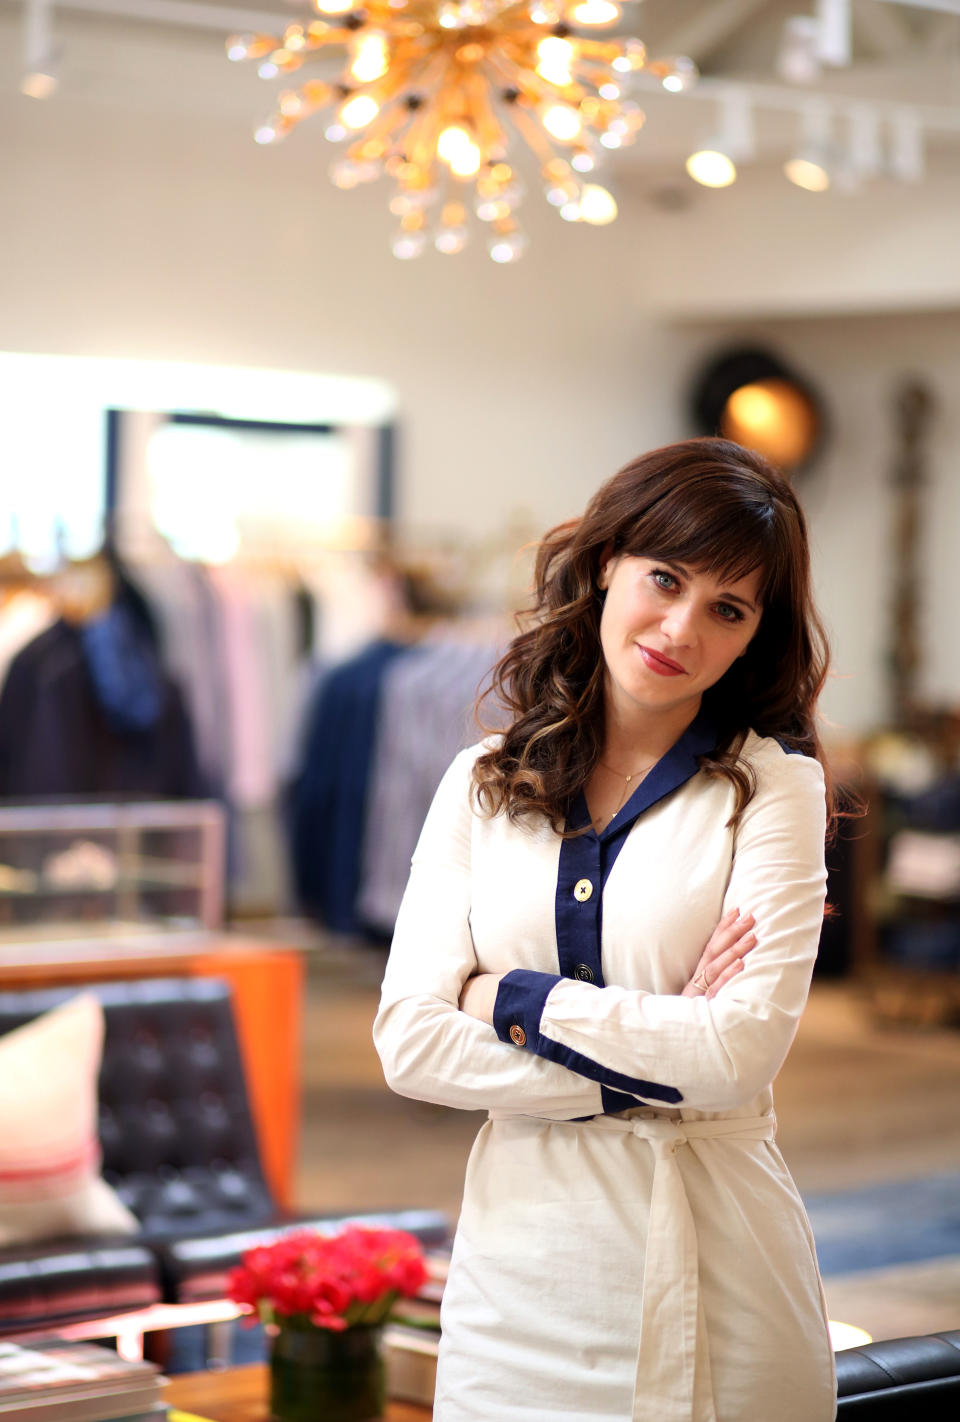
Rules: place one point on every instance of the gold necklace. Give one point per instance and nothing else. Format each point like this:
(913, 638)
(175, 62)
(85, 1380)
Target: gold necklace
(637, 775)
(644, 771)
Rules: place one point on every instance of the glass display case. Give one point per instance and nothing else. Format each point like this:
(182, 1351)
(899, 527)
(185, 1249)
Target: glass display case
(113, 874)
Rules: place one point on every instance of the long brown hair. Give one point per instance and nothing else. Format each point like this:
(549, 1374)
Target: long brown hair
(707, 504)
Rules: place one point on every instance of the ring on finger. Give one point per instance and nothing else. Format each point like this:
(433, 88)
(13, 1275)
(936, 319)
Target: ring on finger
(701, 981)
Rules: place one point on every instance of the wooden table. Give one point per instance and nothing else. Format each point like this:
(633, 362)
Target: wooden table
(240, 1395)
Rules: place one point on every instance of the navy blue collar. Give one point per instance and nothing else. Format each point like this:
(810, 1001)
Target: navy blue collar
(670, 772)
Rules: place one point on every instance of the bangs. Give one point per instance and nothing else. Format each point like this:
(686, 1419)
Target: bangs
(728, 541)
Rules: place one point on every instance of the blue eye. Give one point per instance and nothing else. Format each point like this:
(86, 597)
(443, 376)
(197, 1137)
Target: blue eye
(729, 613)
(663, 579)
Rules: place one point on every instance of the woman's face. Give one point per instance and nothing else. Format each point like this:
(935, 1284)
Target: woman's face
(669, 632)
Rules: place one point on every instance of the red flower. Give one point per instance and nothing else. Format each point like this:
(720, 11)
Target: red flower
(330, 1281)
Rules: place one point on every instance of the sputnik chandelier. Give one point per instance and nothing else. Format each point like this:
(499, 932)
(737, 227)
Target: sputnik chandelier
(435, 93)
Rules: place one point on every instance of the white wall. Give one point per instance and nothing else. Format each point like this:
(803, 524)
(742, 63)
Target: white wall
(858, 364)
(131, 231)
(766, 248)
(144, 237)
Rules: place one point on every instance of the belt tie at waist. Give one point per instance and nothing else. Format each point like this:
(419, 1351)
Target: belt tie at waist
(671, 1314)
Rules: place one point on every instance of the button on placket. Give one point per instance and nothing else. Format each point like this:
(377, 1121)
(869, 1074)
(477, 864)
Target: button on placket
(578, 909)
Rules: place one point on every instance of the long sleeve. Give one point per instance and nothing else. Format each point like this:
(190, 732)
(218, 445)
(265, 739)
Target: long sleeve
(716, 1054)
(431, 1050)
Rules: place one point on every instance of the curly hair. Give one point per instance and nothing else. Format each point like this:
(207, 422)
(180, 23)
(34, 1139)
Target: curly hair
(707, 504)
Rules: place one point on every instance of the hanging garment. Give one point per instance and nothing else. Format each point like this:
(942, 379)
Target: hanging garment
(23, 616)
(186, 608)
(124, 671)
(328, 800)
(251, 778)
(281, 668)
(425, 717)
(631, 1245)
(72, 728)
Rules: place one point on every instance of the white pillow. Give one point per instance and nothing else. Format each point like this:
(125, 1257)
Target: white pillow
(49, 1153)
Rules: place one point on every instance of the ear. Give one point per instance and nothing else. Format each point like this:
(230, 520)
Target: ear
(608, 561)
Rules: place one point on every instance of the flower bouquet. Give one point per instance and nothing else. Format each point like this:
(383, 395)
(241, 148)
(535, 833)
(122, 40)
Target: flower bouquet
(323, 1300)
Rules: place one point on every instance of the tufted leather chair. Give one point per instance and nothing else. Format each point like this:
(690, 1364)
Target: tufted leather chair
(65, 1280)
(179, 1148)
(901, 1379)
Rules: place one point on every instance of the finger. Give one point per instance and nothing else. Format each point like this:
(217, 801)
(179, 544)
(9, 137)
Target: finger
(724, 977)
(723, 942)
(720, 975)
(723, 969)
(733, 926)
(737, 950)
(726, 924)
(735, 915)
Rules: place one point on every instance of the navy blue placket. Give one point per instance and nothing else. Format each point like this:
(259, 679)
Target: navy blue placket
(586, 863)
(577, 903)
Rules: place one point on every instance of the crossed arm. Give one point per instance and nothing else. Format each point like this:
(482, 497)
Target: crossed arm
(711, 1051)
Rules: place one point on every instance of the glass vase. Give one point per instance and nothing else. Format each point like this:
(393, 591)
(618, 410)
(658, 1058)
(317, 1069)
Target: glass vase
(320, 1376)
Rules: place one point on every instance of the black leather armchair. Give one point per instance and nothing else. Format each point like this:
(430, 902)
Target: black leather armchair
(179, 1148)
(65, 1280)
(901, 1380)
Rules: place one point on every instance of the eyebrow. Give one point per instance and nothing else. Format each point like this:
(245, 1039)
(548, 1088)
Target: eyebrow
(723, 597)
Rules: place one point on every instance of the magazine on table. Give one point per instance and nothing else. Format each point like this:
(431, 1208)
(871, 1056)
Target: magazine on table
(53, 1381)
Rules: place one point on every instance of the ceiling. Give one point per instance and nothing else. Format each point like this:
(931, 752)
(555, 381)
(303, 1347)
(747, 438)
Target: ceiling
(901, 54)
(722, 36)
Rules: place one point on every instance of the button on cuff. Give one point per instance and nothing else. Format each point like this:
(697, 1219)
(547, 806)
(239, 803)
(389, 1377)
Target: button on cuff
(517, 1035)
(519, 1004)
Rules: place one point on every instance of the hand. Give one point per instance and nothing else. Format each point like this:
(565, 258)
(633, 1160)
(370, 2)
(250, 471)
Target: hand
(479, 996)
(722, 959)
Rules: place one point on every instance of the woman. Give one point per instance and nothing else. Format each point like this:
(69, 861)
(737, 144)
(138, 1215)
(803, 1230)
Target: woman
(631, 1244)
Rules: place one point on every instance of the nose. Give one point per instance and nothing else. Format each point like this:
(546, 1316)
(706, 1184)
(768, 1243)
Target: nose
(679, 623)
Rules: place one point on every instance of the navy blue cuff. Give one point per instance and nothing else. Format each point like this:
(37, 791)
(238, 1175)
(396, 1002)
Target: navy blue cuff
(517, 1014)
(519, 1006)
(616, 1101)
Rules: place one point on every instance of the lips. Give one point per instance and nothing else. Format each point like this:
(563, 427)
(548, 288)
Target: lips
(660, 664)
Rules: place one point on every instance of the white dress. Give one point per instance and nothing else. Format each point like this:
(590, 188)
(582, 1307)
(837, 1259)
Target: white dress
(631, 1244)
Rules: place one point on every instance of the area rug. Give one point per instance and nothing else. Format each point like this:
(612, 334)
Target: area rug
(896, 1222)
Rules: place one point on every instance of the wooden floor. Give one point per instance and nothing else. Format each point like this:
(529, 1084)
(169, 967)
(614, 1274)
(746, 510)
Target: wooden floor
(857, 1105)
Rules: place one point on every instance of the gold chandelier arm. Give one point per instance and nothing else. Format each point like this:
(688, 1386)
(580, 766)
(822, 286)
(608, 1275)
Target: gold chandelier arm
(532, 134)
(322, 39)
(373, 143)
(604, 50)
(595, 77)
(419, 11)
(388, 86)
(542, 91)
(525, 79)
(518, 10)
(421, 142)
(490, 133)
